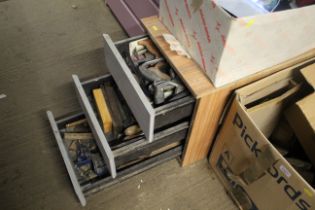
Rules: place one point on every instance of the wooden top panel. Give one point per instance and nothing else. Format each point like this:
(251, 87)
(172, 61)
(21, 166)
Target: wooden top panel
(189, 71)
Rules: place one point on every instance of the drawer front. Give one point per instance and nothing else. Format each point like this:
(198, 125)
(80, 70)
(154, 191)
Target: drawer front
(180, 109)
(130, 88)
(133, 170)
(66, 158)
(95, 126)
(140, 150)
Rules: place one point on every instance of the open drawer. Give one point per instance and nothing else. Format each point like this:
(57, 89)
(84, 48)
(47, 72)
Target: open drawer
(119, 153)
(148, 116)
(84, 187)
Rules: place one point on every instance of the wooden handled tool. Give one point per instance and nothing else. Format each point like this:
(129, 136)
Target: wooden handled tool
(76, 123)
(150, 47)
(103, 110)
(78, 136)
(121, 117)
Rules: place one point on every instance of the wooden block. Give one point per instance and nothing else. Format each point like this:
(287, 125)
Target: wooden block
(103, 110)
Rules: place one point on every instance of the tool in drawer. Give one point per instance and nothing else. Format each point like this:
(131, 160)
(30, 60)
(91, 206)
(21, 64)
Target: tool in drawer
(148, 44)
(121, 115)
(103, 110)
(156, 77)
(82, 122)
(155, 70)
(85, 156)
(79, 126)
(132, 130)
(77, 136)
(83, 151)
(160, 80)
(142, 50)
(124, 127)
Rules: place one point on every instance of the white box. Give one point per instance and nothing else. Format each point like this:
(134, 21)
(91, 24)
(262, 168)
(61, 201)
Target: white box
(229, 48)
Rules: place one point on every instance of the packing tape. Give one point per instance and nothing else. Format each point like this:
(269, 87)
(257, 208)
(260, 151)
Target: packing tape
(308, 192)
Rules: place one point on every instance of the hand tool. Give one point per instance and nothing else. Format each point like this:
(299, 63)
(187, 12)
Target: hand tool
(77, 129)
(98, 164)
(141, 46)
(77, 126)
(162, 85)
(85, 173)
(163, 90)
(150, 47)
(141, 51)
(121, 115)
(139, 59)
(83, 155)
(132, 130)
(88, 162)
(151, 71)
(78, 136)
(76, 123)
(103, 110)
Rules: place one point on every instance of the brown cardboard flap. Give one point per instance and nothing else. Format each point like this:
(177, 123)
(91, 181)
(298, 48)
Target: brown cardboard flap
(265, 91)
(309, 74)
(307, 105)
(266, 114)
(301, 117)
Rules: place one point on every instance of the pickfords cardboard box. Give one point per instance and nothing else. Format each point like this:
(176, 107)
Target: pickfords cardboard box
(301, 116)
(252, 170)
(229, 48)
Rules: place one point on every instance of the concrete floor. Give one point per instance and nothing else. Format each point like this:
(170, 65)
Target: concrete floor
(42, 43)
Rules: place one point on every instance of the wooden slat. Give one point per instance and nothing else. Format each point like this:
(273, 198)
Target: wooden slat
(103, 110)
(210, 100)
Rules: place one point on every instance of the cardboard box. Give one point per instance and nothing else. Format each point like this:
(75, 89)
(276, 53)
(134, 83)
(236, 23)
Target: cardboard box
(252, 170)
(301, 117)
(230, 48)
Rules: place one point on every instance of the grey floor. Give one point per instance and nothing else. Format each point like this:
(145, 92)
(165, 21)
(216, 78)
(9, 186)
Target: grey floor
(43, 42)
